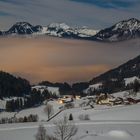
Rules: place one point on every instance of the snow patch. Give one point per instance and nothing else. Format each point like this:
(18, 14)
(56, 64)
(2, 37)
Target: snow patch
(53, 90)
(92, 87)
(130, 80)
(119, 134)
(85, 32)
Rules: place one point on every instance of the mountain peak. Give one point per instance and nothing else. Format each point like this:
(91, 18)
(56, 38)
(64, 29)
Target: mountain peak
(129, 24)
(133, 20)
(23, 28)
(23, 24)
(123, 30)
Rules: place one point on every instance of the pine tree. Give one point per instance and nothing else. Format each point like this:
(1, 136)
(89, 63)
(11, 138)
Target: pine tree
(136, 86)
(8, 106)
(20, 103)
(25, 119)
(70, 117)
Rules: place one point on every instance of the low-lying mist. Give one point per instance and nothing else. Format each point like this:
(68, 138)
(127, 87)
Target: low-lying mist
(59, 60)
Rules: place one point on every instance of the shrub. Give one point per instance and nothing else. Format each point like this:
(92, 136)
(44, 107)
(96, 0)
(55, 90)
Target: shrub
(69, 105)
(84, 117)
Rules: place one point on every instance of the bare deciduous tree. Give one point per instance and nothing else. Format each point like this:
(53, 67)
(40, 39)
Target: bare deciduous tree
(65, 129)
(48, 110)
(84, 117)
(41, 133)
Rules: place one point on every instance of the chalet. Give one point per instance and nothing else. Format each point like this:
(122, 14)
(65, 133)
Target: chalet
(118, 101)
(104, 99)
(133, 101)
(65, 100)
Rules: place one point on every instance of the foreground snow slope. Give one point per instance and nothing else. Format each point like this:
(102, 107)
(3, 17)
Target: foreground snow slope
(102, 131)
(99, 112)
(106, 123)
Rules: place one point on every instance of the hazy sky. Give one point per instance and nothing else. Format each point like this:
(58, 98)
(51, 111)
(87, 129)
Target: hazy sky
(94, 13)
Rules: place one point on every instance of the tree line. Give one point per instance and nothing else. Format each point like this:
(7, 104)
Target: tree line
(30, 118)
(117, 85)
(11, 86)
(36, 98)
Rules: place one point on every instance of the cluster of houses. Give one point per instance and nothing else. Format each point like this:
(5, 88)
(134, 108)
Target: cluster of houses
(102, 99)
(107, 99)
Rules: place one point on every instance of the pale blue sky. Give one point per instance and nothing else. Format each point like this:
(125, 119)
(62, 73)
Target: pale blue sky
(93, 13)
(111, 3)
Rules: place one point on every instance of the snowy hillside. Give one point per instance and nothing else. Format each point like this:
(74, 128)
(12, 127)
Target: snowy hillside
(105, 123)
(92, 87)
(128, 72)
(96, 131)
(99, 112)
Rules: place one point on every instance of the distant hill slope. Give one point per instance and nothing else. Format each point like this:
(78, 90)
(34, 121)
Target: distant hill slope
(129, 69)
(110, 81)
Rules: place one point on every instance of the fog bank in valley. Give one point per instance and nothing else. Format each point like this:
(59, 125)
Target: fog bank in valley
(59, 60)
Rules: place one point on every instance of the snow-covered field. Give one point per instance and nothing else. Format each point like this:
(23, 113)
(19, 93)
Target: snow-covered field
(105, 123)
(106, 114)
(86, 131)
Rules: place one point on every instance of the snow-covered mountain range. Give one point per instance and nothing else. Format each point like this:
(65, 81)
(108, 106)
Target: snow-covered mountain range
(123, 30)
(54, 29)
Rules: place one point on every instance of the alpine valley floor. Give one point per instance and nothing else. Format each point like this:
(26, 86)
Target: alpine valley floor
(106, 123)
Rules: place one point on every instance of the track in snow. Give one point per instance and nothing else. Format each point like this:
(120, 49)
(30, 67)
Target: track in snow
(101, 122)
